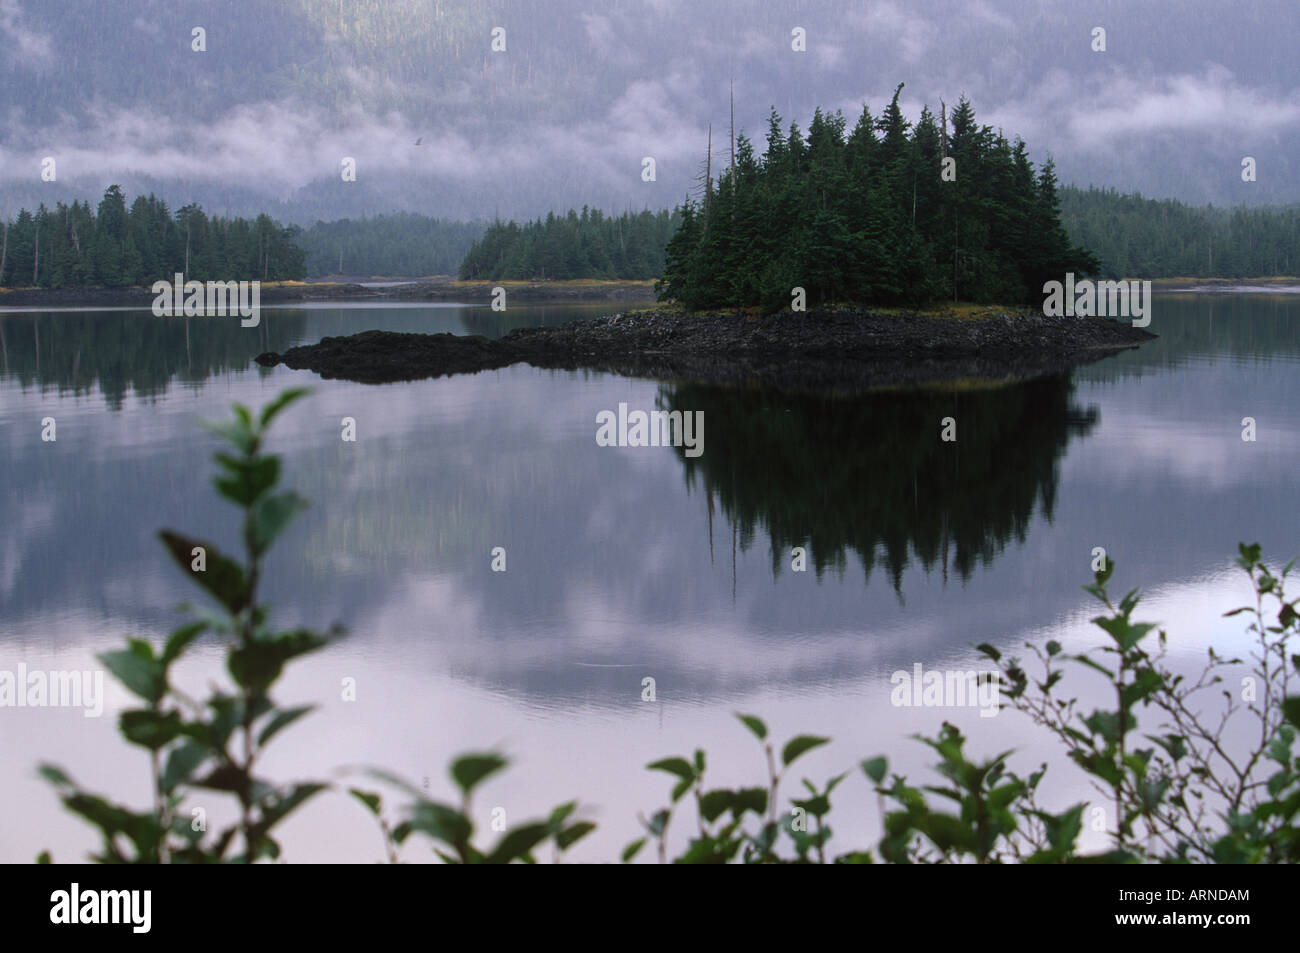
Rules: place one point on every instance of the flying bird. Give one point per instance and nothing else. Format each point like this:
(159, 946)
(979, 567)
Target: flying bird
(420, 140)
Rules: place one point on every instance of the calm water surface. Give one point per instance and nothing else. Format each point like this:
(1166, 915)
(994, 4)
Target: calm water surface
(622, 564)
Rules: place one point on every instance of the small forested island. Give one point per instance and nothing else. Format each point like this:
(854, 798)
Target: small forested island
(868, 229)
(889, 214)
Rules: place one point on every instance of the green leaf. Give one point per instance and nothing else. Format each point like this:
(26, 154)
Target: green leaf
(1146, 682)
(440, 822)
(1176, 745)
(280, 808)
(990, 651)
(282, 401)
(875, 768)
(271, 516)
(714, 803)
(180, 640)
(518, 843)
(855, 857)
(235, 433)
(281, 719)
(632, 849)
(1085, 660)
(749, 799)
(1291, 709)
(947, 831)
(224, 777)
(370, 799)
(561, 814)
(137, 669)
(1001, 797)
(1107, 724)
(228, 713)
(223, 577)
(1125, 633)
(469, 770)
(755, 725)
(798, 745)
(574, 833)
(142, 829)
(247, 479)
(765, 838)
(818, 806)
(54, 775)
(181, 763)
(257, 664)
(1053, 647)
(678, 766)
(1062, 829)
(149, 728)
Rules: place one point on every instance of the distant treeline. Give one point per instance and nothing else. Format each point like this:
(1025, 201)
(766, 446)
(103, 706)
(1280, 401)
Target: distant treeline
(868, 217)
(587, 245)
(70, 245)
(1149, 238)
(802, 215)
(399, 244)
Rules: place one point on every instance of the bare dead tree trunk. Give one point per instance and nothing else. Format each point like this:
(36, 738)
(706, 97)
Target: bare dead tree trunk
(708, 171)
(943, 130)
(733, 133)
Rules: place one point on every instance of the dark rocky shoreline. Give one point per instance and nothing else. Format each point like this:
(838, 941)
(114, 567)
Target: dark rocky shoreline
(847, 350)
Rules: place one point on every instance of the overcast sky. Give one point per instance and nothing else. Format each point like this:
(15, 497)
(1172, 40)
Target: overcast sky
(583, 91)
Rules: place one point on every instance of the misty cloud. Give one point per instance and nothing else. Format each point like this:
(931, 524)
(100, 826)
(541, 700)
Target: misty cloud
(584, 92)
(30, 47)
